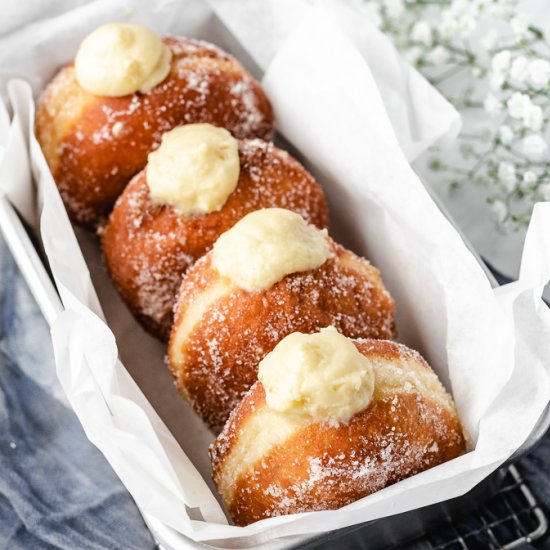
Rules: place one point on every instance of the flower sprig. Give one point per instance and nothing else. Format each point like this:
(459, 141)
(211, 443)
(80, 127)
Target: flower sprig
(486, 56)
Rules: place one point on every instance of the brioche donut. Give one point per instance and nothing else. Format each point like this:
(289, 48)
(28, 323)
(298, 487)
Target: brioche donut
(94, 144)
(271, 460)
(221, 330)
(148, 247)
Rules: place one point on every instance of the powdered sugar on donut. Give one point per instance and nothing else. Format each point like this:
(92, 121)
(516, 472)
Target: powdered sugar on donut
(321, 466)
(84, 137)
(148, 248)
(347, 294)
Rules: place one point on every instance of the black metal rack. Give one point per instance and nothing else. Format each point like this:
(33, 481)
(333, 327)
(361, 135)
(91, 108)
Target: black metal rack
(508, 519)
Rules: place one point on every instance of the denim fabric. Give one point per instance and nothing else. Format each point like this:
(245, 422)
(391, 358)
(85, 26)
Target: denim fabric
(56, 489)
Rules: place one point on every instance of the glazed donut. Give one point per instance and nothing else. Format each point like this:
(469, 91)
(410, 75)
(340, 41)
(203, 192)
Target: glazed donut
(271, 461)
(221, 331)
(147, 247)
(95, 144)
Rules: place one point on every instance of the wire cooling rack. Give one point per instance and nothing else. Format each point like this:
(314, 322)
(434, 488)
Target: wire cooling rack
(509, 519)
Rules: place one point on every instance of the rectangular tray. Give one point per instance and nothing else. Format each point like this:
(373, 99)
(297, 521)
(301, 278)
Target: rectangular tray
(383, 533)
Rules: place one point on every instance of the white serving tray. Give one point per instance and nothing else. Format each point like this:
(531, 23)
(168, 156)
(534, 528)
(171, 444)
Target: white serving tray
(30, 262)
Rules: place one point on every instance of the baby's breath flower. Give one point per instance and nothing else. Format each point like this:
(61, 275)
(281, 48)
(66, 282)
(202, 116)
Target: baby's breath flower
(448, 27)
(505, 134)
(505, 148)
(499, 69)
(394, 8)
(438, 55)
(539, 73)
(501, 61)
(533, 146)
(422, 33)
(507, 175)
(518, 105)
(518, 69)
(497, 81)
(466, 26)
(458, 8)
(532, 117)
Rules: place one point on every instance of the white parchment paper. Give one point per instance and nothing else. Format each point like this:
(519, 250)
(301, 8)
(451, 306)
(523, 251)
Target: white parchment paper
(326, 80)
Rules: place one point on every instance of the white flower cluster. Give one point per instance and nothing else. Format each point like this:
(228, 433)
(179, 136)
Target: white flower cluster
(521, 108)
(519, 83)
(461, 17)
(504, 66)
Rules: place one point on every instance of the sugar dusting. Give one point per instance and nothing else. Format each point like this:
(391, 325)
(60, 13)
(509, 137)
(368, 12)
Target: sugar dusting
(352, 473)
(84, 137)
(153, 246)
(324, 467)
(247, 326)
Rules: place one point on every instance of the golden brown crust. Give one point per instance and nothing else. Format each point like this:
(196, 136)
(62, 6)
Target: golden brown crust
(323, 466)
(225, 441)
(95, 145)
(148, 248)
(222, 352)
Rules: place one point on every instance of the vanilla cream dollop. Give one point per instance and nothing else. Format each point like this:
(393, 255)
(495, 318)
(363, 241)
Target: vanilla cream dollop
(195, 169)
(118, 59)
(322, 376)
(266, 245)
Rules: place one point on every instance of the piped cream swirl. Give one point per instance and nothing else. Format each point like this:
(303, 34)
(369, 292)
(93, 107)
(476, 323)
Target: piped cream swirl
(118, 59)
